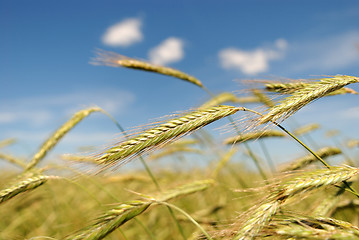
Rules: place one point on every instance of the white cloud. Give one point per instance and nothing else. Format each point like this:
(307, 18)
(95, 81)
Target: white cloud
(252, 62)
(123, 33)
(169, 51)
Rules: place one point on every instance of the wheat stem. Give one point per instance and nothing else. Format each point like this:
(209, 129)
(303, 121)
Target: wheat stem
(188, 216)
(149, 172)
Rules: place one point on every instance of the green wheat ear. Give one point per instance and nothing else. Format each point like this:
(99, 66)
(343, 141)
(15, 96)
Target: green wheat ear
(302, 96)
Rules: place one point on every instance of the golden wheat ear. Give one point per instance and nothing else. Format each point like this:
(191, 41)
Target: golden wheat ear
(302, 130)
(124, 212)
(302, 96)
(309, 159)
(59, 134)
(116, 60)
(220, 99)
(26, 183)
(290, 226)
(293, 186)
(162, 134)
(253, 136)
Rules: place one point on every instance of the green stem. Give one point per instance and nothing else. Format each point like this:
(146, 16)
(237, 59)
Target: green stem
(188, 216)
(267, 156)
(146, 229)
(149, 172)
(249, 150)
(306, 147)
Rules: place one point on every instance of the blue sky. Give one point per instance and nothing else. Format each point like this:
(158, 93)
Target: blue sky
(46, 47)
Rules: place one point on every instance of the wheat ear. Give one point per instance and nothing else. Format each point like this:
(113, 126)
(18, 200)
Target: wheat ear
(301, 97)
(181, 145)
(220, 99)
(329, 203)
(25, 184)
(6, 142)
(287, 88)
(13, 160)
(225, 158)
(127, 211)
(290, 187)
(163, 133)
(56, 136)
(306, 160)
(313, 180)
(353, 143)
(116, 60)
(306, 129)
(254, 135)
(342, 91)
(248, 99)
(308, 227)
(258, 220)
(263, 98)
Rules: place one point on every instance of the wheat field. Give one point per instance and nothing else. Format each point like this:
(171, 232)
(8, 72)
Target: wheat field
(89, 197)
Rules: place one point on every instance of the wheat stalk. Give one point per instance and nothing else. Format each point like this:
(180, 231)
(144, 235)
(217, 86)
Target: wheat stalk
(124, 212)
(116, 60)
(59, 133)
(163, 133)
(303, 96)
